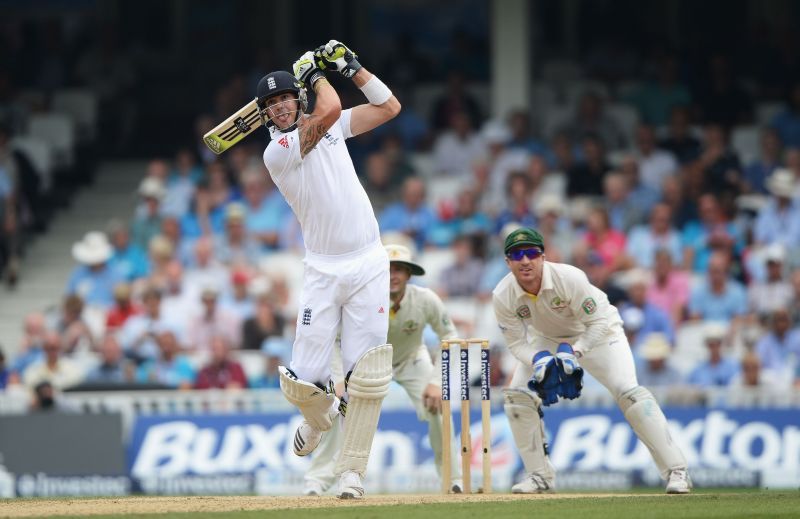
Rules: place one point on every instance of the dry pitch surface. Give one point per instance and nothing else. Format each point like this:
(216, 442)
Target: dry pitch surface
(155, 505)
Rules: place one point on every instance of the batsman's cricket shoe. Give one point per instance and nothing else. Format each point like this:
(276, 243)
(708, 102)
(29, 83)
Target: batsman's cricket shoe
(306, 439)
(534, 484)
(679, 482)
(457, 487)
(350, 486)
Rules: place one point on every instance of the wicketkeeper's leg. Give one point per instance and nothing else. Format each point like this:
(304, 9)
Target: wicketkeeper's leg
(612, 365)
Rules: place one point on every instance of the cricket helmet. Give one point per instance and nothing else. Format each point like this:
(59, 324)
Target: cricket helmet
(276, 83)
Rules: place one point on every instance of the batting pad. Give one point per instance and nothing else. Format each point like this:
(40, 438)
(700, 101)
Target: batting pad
(319, 407)
(649, 423)
(366, 386)
(523, 410)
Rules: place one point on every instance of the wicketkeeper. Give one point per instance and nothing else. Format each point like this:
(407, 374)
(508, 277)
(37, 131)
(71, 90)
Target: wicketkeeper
(413, 308)
(558, 324)
(346, 275)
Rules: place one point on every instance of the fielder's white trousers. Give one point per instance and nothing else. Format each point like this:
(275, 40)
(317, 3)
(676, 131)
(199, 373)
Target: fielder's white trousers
(348, 289)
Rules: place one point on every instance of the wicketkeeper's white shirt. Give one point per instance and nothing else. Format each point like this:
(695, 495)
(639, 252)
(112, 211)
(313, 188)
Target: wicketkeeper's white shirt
(419, 307)
(568, 309)
(323, 190)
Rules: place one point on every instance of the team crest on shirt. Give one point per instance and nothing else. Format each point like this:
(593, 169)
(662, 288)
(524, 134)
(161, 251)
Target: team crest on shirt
(589, 306)
(410, 327)
(557, 303)
(524, 312)
(332, 141)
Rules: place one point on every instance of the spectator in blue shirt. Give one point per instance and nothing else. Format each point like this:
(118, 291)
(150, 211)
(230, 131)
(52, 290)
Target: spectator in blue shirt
(517, 206)
(170, 369)
(655, 320)
(147, 222)
(718, 370)
(645, 240)
(779, 220)
(30, 350)
(756, 173)
(4, 371)
(788, 122)
(711, 232)
(128, 260)
(467, 220)
(411, 216)
(776, 348)
(266, 209)
(623, 212)
(204, 217)
(719, 298)
(113, 367)
(653, 368)
(94, 280)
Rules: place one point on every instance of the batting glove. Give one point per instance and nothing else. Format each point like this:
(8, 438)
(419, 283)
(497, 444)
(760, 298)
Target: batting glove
(545, 381)
(306, 70)
(335, 55)
(569, 371)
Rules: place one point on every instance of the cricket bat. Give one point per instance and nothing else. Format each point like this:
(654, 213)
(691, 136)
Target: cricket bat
(235, 128)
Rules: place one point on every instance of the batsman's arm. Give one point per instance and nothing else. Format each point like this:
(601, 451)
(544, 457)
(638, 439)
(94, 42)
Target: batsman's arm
(371, 115)
(326, 112)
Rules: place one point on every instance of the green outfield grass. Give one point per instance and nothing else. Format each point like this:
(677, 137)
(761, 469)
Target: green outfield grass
(701, 505)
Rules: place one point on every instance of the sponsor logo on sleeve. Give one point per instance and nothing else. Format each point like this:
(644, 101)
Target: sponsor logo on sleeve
(306, 320)
(589, 306)
(283, 141)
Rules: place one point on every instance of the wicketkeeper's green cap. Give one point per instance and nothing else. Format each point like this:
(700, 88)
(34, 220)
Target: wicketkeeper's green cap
(524, 236)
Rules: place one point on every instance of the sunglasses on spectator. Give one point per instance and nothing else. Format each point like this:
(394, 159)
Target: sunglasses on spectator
(517, 254)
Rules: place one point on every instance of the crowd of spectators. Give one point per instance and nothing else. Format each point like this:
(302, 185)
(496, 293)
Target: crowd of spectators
(688, 237)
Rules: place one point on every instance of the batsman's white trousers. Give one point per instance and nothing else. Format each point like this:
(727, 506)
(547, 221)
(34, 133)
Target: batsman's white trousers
(413, 376)
(610, 363)
(351, 289)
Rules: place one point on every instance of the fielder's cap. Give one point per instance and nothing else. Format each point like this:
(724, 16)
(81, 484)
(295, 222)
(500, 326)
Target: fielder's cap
(656, 347)
(401, 254)
(523, 236)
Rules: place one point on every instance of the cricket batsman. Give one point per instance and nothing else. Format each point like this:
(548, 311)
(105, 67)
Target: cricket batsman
(412, 308)
(346, 275)
(558, 324)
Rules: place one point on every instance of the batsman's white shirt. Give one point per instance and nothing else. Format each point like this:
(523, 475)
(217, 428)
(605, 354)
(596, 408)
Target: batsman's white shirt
(323, 190)
(419, 306)
(346, 268)
(567, 309)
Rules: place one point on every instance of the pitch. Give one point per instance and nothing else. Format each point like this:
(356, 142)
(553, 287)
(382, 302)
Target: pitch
(705, 504)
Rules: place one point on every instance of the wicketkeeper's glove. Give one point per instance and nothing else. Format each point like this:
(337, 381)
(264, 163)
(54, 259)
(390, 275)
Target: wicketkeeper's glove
(569, 372)
(335, 55)
(306, 69)
(545, 381)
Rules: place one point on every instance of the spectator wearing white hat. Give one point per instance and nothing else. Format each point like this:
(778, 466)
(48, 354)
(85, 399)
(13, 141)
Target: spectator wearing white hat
(779, 220)
(147, 222)
(94, 280)
(653, 368)
(720, 369)
(775, 292)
